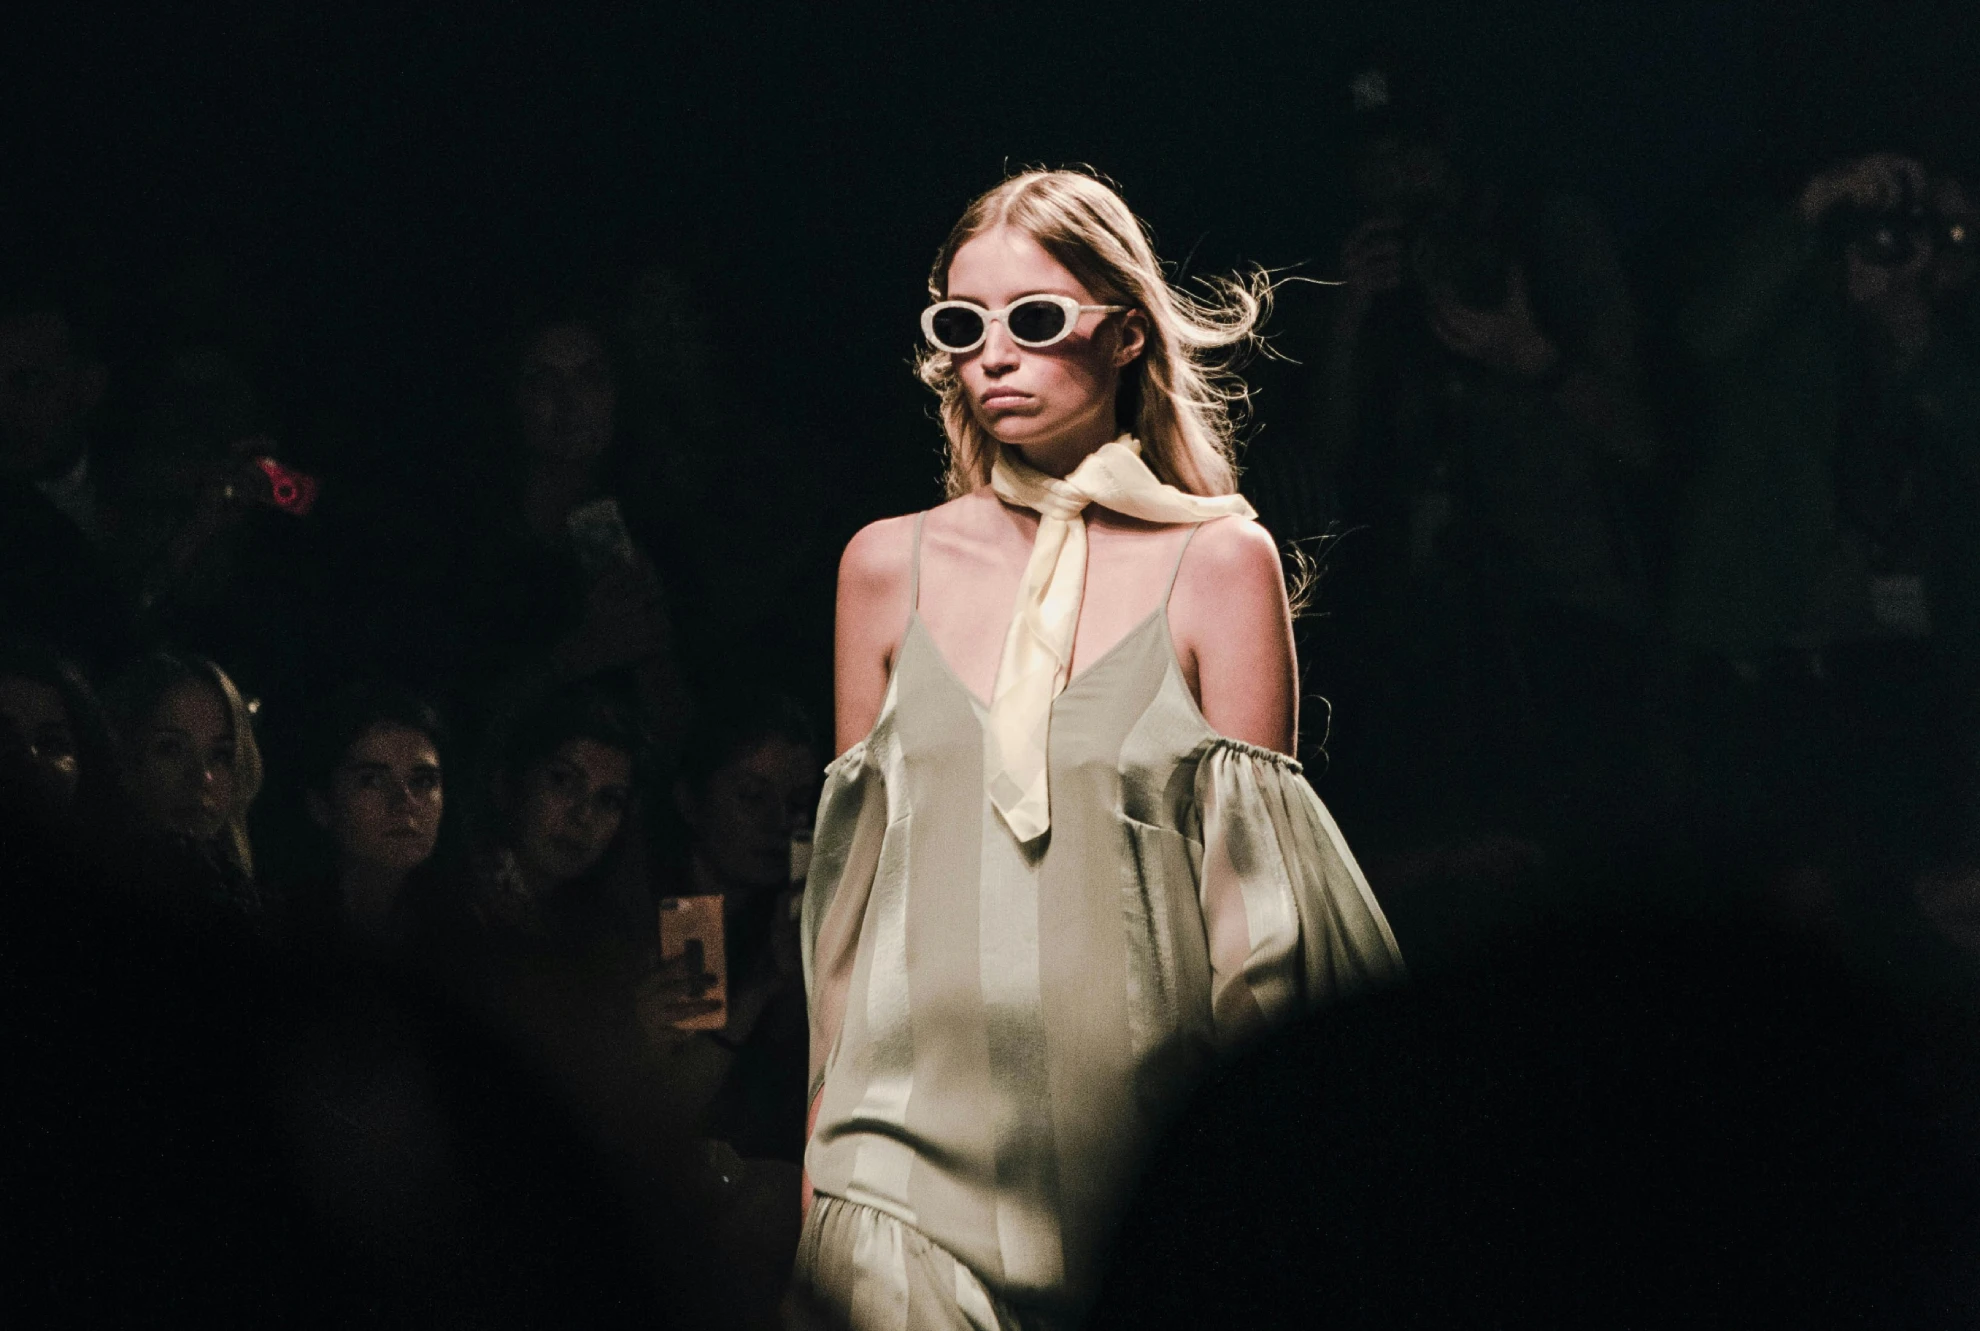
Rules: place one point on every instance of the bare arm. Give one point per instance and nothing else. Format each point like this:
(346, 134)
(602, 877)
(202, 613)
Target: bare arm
(1233, 634)
(872, 608)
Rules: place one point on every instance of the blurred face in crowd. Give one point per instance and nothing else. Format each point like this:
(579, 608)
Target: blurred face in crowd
(566, 396)
(383, 804)
(46, 393)
(568, 809)
(182, 763)
(37, 746)
(1397, 177)
(1026, 395)
(742, 823)
(1938, 267)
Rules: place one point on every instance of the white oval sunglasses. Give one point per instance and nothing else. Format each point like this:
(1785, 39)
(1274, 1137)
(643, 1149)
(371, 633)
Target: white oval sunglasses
(957, 326)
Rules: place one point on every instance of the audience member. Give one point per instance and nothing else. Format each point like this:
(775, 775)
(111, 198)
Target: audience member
(375, 787)
(1481, 406)
(1823, 566)
(748, 786)
(564, 585)
(191, 768)
(563, 794)
(55, 582)
(59, 765)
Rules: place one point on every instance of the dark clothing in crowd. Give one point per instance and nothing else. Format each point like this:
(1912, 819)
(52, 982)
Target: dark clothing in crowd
(1491, 590)
(238, 1133)
(1826, 563)
(759, 1107)
(55, 583)
(1679, 1117)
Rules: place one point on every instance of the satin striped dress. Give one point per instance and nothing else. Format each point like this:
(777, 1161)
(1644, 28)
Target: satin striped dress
(999, 1030)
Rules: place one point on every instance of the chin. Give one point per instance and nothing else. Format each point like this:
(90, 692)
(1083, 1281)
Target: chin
(1017, 431)
(401, 858)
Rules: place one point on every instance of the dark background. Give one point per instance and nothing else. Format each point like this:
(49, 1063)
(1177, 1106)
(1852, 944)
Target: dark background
(380, 179)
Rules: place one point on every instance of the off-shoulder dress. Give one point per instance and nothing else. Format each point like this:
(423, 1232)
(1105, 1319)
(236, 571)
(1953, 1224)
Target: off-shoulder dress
(999, 1029)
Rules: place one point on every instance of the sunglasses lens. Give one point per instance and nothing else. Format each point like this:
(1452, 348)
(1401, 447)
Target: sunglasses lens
(1037, 321)
(956, 328)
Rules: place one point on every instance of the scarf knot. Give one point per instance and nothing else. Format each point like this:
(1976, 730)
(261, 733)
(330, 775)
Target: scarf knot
(1037, 658)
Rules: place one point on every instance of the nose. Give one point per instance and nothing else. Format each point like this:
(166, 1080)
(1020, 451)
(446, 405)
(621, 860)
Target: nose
(998, 354)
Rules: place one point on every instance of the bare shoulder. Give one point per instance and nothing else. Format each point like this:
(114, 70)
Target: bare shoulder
(1233, 555)
(876, 559)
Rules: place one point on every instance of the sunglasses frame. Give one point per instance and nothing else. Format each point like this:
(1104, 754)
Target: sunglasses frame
(1072, 308)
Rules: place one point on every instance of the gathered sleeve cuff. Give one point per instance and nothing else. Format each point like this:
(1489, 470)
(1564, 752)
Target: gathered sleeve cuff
(845, 852)
(1290, 920)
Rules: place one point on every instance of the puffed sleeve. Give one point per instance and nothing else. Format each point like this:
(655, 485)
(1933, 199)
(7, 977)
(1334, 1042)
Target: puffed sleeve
(1289, 918)
(845, 851)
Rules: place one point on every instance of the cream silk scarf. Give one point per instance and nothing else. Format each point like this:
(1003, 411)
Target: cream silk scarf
(1037, 659)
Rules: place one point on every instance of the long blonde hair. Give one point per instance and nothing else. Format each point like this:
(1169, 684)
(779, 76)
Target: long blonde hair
(1177, 396)
(138, 694)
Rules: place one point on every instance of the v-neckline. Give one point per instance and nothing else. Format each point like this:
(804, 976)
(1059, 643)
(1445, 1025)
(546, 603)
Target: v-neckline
(1159, 613)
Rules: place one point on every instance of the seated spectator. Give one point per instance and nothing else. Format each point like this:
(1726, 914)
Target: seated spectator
(559, 805)
(748, 785)
(376, 788)
(191, 768)
(58, 764)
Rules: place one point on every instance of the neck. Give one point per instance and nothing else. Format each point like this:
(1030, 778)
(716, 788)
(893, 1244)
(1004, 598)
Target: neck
(369, 891)
(551, 488)
(1061, 455)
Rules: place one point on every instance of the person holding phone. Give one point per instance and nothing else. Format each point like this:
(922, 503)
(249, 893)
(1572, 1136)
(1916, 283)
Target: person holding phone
(562, 584)
(1063, 857)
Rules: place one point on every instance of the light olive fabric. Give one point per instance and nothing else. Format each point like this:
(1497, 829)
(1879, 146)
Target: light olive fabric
(1000, 1028)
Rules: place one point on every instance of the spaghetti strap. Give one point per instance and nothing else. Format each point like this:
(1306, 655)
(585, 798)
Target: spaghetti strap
(914, 564)
(1175, 572)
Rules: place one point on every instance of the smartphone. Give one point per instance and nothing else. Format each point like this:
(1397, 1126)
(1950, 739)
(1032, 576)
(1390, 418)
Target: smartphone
(599, 536)
(691, 928)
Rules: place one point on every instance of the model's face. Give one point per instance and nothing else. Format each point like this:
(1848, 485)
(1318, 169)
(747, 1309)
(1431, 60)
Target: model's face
(568, 810)
(742, 823)
(566, 396)
(37, 746)
(182, 763)
(1034, 398)
(384, 802)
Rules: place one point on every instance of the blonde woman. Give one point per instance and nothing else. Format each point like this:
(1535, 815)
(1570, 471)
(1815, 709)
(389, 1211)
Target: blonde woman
(1062, 858)
(191, 767)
